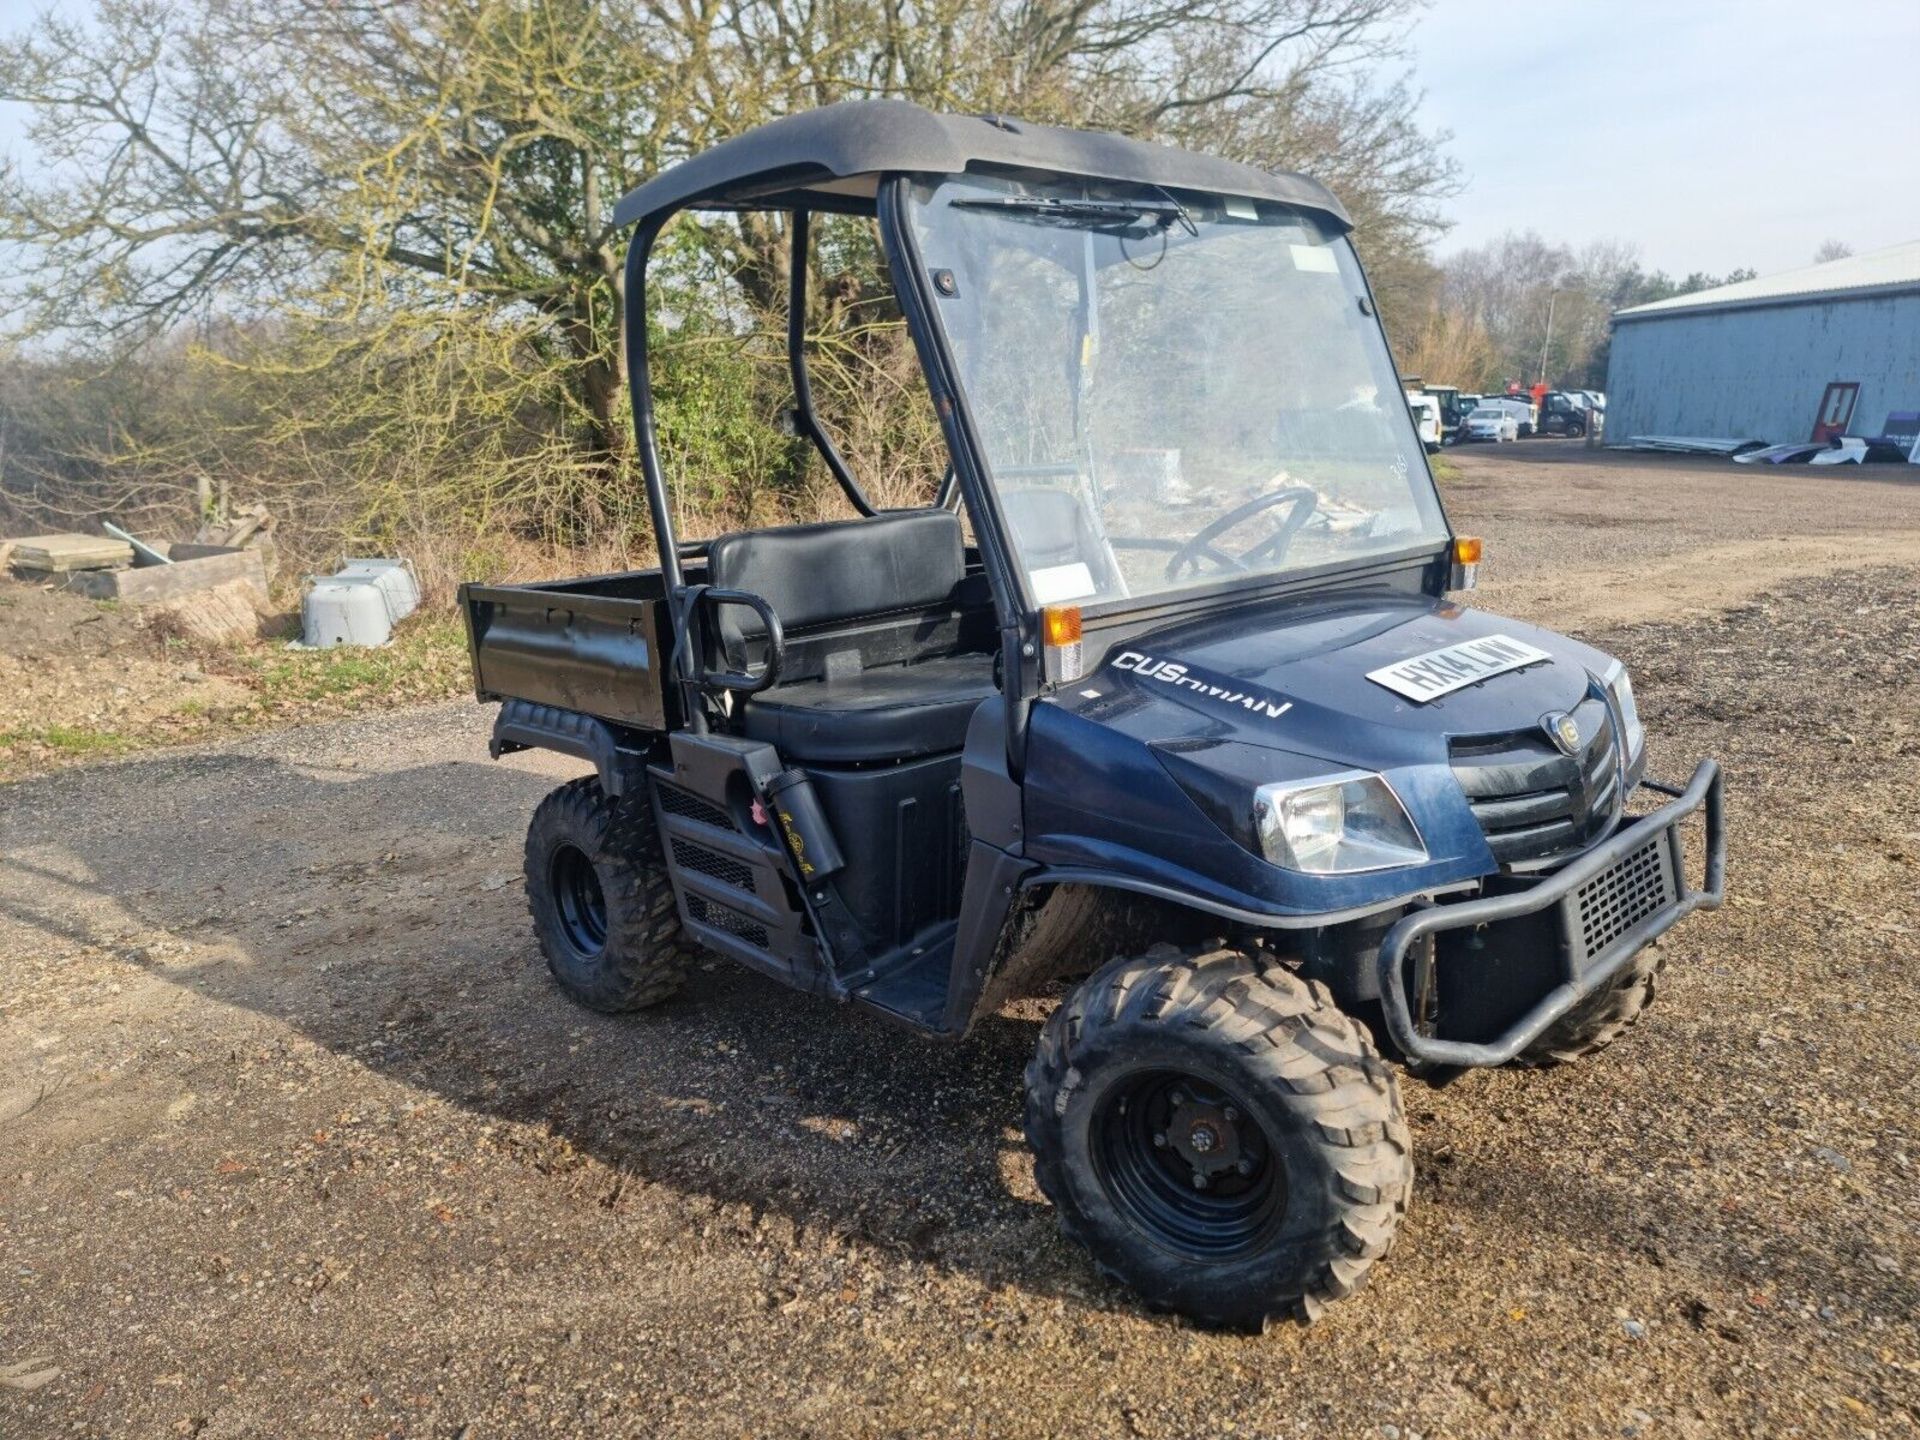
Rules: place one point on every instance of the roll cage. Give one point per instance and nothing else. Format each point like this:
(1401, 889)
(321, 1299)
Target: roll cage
(859, 158)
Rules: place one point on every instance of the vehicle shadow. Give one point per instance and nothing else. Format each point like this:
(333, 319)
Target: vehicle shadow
(381, 916)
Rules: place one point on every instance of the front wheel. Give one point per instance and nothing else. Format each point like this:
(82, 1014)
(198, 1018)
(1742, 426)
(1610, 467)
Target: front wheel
(1602, 1018)
(1219, 1135)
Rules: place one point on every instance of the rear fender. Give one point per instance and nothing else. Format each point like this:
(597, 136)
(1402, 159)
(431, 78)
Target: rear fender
(523, 725)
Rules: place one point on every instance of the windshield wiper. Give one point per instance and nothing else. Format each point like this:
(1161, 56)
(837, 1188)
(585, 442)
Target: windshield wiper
(1095, 214)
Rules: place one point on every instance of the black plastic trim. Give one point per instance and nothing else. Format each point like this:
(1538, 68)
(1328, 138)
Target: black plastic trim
(523, 725)
(1259, 919)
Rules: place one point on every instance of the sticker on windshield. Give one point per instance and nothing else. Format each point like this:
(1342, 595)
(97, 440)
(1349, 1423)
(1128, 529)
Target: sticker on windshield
(1441, 672)
(1315, 257)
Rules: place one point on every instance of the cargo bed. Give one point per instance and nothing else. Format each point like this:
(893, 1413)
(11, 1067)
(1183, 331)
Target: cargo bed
(599, 646)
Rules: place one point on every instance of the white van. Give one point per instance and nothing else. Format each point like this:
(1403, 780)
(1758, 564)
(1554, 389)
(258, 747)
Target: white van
(1426, 419)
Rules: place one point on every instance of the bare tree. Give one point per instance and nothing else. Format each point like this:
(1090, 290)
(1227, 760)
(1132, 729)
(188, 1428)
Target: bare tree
(1832, 250)
(389, 222)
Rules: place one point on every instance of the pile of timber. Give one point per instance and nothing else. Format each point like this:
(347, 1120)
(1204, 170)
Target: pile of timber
(47, 555)
(213, 587)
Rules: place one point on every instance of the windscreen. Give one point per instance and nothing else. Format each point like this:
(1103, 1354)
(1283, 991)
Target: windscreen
(1171, 392)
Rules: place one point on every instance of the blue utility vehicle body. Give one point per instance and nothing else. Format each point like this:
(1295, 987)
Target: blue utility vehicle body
(1163, 691)
(1148, 766)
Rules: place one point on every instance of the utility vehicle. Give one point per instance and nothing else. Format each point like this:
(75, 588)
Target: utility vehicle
(1205, 735)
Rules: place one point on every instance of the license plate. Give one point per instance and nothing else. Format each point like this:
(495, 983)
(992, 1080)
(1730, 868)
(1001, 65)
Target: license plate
(1441, 672)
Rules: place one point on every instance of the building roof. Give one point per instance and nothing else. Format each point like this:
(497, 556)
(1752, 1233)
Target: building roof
(811, 157)
(1887, 271)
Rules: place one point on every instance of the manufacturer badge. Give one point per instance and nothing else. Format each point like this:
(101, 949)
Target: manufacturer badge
(1564, 731)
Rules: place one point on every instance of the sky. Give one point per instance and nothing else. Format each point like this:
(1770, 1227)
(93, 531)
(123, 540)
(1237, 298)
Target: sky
(1710, 135)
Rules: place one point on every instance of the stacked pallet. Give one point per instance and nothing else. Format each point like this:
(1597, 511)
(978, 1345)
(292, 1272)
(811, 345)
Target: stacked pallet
(68, 554)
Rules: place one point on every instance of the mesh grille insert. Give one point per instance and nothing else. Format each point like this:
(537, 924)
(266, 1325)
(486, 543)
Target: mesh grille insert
(711, 863)
(1614, 902)
(720, 917)
(689, 806)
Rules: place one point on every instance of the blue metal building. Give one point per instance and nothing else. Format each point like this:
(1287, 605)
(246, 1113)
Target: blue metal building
(1770, 359)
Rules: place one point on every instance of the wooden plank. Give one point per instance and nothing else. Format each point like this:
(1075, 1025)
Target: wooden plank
(63, 554)
(261, 543)
(158, 583)
(195, 550)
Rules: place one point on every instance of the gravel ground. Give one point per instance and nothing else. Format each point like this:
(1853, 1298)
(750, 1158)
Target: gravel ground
(297, 1138)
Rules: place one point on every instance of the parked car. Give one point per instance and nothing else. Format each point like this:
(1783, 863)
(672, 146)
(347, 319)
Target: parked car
(1520, 408)
(1490, 422)
(1243, 769)
(1426, 420)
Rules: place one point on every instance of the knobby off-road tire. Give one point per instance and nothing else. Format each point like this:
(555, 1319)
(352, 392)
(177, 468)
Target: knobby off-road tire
(602, 904)
(1602, 1017)
(1193, 1040)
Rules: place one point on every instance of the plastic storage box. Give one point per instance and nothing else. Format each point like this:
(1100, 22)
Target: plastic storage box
(358, 605)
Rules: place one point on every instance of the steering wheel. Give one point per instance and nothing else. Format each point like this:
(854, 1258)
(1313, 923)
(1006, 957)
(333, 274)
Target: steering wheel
(1201, 546)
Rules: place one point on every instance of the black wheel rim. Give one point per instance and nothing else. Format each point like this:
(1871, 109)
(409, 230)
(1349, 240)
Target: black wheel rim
(1185, 1161)
(579, 899)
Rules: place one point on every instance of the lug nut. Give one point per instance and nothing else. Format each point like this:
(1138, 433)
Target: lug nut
(1159, 1140)
(1199, 1181)
(1177, 1098)
(1231, 1114)
(1245, 1167)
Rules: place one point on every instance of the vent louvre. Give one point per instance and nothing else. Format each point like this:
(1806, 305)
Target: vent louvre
(721, 917)
(711, 863)
(689, 806)
(1533, 802)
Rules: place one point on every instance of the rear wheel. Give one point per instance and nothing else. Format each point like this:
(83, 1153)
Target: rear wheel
(1219, 1135)
(603, 908)
(1603, 1017)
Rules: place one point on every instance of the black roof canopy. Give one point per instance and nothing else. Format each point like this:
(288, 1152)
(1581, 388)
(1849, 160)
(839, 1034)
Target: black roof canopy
(825, 159)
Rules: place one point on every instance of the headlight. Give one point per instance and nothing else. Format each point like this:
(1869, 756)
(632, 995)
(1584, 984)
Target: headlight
(1336, 825)
(1632, 733)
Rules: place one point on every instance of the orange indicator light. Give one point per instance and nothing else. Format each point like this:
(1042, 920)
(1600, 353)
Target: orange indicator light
(1062, 623)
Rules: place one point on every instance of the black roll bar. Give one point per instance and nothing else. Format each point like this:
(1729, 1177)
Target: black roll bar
(803, 411)
(640, 394)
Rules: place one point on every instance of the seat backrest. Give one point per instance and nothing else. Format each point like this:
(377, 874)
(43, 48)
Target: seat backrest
(839, 570)
(1066, 557)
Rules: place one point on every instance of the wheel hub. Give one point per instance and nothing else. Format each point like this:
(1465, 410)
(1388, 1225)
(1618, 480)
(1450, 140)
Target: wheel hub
(580, 900)
(1188, 1163)
(1204, 1137)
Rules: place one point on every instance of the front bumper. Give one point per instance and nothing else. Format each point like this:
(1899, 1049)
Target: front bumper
(1637, 875)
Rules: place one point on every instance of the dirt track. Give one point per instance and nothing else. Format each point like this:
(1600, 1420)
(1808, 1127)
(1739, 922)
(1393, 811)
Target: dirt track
(297, 1138)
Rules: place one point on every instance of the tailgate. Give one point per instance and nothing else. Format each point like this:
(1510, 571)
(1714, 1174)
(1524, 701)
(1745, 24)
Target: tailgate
(599, 655)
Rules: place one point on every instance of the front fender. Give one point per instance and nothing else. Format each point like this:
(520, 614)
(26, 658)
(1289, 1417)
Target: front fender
(1100, 803)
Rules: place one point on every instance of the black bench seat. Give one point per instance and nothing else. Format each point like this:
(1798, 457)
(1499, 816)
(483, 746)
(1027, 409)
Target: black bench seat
(819, 576)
